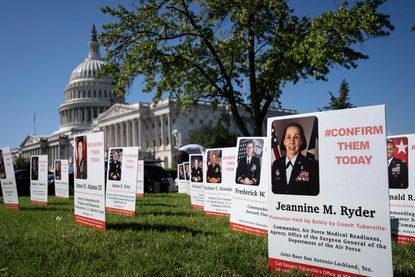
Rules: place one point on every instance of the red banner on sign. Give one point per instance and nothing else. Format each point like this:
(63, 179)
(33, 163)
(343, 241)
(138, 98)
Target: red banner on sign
(197, 207)
(93, 223)
(215, 213)
(12, 206)
(248, 229)
(120, 211)
(405, 239)
(277, 265)
(39, 202)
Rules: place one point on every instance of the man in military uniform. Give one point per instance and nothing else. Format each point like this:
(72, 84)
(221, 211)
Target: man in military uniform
(197, 173)
(249, 168)
(115, 167)
(2, 167)
(214, 173)
(35, 168)
(397, 169)
(80, 161)
(58, 173)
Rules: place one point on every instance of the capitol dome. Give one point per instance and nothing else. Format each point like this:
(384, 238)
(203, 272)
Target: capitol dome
(85, 97)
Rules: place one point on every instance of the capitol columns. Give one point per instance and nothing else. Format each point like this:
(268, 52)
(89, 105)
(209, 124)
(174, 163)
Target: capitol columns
(134, 136)
(128, 132)
(116, 134)
(162, 132)
(140, 133)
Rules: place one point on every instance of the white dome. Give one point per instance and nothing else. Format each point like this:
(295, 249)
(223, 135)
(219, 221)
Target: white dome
(87, 70)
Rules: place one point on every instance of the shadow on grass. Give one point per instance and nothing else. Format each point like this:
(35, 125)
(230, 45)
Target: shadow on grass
(157, 204)
(168, 213)
(46, 208)
(162, 228)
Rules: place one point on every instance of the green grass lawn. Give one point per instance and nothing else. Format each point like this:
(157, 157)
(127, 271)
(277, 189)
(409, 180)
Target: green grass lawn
(165, 238)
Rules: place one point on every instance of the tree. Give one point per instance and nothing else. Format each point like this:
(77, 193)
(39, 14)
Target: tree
(341, 102)
(21, 163)
(206, 49)
(214, 137)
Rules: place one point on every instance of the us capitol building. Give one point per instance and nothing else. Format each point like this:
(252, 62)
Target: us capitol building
(158, 129)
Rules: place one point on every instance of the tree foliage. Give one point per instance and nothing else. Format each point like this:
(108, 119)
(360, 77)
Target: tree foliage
(340, 102)
(204, 49)
(214, 136)
(21, 163)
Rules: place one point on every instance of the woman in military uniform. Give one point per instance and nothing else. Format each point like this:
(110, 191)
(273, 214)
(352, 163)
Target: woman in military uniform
(294, 173)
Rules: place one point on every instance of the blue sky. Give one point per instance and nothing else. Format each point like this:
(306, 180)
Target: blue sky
(43, 41)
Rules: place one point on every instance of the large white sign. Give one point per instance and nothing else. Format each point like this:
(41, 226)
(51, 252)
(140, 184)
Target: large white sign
(8, 179)
(197, 191)
(62, 178)
(401, 157)
(122, 180)
(90, 180)
(140, 178)
(249, 207)
(328, 194)
(39, 179)
(220, 177)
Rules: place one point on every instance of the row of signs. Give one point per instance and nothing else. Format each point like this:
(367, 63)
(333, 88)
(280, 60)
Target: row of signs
(125, 179)
(317, 185)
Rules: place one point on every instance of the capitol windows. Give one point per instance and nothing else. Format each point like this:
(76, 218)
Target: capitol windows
(89, 93)
(105, 93)
(161, 143)
(166, 123)
(83, 94)
(99, 93)
(152, 125)
(159, 123)
(167, 140)
(191, 120)
(95, 93)
(201, 122)
(147, 129)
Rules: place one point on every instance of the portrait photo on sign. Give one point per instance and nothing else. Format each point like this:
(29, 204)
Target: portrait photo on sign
(81, 166)
(186, 170)
(2, 166)
(58, 172)
(197, 169)
(214, 166)
(248, 171)
(397, 155)
(294, 161)
(34, 173)
(114, 172)
(181, 172)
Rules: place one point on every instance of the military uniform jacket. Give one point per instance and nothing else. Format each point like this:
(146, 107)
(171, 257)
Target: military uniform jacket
(214, 171)
(35, 173)
(115, 171)
(81, 170)
(304, 178)
(398, 174)
(252, 171)
(197, 174)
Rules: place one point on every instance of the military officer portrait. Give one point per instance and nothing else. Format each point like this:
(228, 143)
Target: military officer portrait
(214, 171)
(81, 157)
(181, 172)
(34, 170)
(397, 168)
(197, 171)
(58, 171)
(295, 172)
(186, 170)
(115, 165)
(248, 171)
(2, 166)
